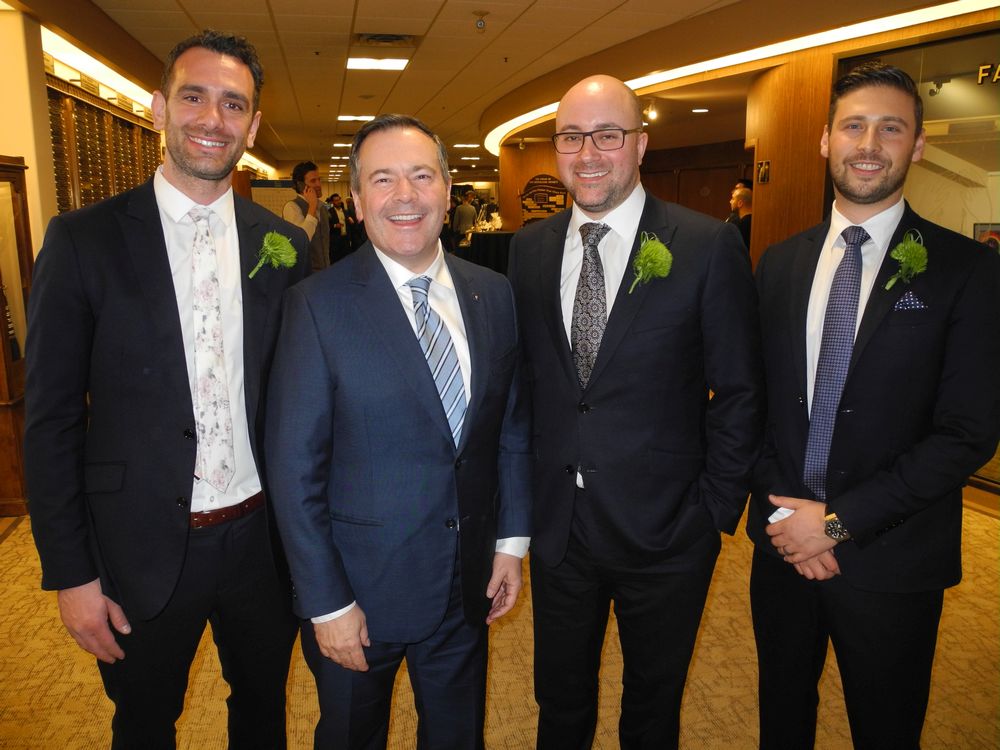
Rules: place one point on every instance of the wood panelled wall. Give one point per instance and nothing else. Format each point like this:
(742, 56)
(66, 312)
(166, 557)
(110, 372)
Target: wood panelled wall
(517, 166)
(786, 111)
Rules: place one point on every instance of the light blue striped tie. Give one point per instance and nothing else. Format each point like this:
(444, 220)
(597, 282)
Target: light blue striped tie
(439, 350)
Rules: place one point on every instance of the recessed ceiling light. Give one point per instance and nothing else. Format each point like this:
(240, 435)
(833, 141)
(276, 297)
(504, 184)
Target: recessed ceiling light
(371, 63)
(355, 118)
(341, 145)
(699, 110)
(470, 158)
(466, 145)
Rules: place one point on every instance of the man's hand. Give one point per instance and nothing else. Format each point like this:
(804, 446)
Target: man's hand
(312, 199)
(802, 535)
(85, 612)
(504, 586)
(820, 568)
(341, 639)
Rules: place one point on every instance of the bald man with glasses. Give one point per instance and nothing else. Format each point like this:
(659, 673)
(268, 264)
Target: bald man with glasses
(631, 311)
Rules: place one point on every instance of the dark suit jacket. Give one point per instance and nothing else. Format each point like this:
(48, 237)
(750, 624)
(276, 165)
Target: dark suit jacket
(368, 484)
(109, 436)
(662, 463)
(920, 409)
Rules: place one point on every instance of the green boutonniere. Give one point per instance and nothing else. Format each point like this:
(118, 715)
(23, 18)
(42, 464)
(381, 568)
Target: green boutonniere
(276, 250)
(912, 257)
(653, 261)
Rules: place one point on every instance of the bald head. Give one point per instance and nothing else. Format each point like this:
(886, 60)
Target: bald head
(599, 179)
(605, 92)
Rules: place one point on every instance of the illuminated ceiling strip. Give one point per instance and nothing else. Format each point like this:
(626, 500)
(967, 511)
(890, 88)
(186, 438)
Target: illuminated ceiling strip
(866, 28)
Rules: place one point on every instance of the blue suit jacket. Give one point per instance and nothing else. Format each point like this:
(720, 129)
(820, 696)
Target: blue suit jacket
(920, 409)
(109, 437)
(374, 501)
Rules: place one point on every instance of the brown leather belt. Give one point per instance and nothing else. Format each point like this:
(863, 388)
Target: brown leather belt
(231, 513)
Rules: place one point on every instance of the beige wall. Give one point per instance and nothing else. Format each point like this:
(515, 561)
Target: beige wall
(24, 126)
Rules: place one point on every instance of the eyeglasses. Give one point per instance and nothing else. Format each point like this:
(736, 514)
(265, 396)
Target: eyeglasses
(606, 139)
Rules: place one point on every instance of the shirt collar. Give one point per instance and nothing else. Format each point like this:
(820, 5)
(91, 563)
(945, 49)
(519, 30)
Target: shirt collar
(399, 274)
(880, 227)
(623, 218)
(176, 205)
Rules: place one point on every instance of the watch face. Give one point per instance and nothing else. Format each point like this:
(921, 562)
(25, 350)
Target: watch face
(836, 531)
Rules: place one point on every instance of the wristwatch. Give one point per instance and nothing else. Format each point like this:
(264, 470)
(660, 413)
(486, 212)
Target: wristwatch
(835, 529)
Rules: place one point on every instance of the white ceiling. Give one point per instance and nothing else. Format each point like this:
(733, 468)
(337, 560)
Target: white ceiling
(454, 72)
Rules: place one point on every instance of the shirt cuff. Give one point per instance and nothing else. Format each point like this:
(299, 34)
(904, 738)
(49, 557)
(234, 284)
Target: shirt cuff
(333, 615)
(514, 545)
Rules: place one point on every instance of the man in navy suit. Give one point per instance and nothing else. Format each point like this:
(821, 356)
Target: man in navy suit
(638, 466)
(870, 435)
(148, 351)
(399, 448)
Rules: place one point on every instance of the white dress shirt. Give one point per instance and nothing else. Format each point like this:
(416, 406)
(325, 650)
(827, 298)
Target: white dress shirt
(178, 233)
(880, 229)
(443, 298)
(614, 250)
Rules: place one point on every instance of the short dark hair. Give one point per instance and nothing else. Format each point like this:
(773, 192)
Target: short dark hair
(224, 43)
(300, 170)
(877, 73)
(392, 122)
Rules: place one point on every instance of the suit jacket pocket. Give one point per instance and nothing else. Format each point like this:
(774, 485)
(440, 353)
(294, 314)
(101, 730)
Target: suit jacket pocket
(356, 520)
(103, 477)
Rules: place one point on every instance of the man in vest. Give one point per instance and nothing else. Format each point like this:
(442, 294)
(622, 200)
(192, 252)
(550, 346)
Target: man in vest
(306, 210)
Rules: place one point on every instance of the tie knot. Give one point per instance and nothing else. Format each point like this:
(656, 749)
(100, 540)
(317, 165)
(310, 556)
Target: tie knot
(593, 232)
(855, 236)
(420, 284)
(199, 213)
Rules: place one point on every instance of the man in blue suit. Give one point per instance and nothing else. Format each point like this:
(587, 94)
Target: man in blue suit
(400, 454)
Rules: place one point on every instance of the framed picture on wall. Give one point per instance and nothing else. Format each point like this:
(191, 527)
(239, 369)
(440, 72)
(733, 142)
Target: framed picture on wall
(988, 234)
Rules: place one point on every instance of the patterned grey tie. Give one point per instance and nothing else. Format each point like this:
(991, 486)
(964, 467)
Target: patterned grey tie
(590, 308)
(835, 350)
(439, 351)
(215, 461)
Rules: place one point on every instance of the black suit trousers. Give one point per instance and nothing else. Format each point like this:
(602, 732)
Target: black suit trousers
(228, 580)
(658, 609)
(884, 644)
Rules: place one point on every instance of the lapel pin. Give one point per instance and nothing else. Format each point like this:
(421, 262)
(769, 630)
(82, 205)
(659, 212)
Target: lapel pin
(475, 296)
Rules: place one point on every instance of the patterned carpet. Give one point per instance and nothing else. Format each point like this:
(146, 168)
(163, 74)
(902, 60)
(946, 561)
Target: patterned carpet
(51, 697)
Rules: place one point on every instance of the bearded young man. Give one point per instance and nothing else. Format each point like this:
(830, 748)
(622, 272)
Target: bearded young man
(883, 397)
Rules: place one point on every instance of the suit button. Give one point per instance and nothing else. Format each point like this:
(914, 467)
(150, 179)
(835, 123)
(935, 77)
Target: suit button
(182, 502)
(189, 433)
(802, 399)
(569, 469)
(459, 463)
(450, 523)
(583, 407)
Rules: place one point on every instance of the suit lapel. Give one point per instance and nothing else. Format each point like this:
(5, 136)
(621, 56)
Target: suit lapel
(255, 305)
(803, 269)
(379, 301)
(881, 300)
(477, 334)
(147, 249)
(654, 219)
(549, 277)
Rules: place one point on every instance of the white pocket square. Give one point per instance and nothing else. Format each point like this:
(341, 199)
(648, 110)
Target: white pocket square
(910, 301)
